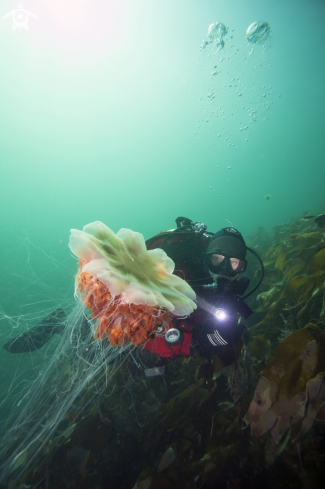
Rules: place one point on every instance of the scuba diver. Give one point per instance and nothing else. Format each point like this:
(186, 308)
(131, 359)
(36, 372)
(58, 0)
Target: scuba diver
(211, 264)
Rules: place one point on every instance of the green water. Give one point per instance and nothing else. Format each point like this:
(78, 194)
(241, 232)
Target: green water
(104, 115)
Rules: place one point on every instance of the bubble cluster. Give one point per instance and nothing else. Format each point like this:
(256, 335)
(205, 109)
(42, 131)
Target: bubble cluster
(232, 82)
(235, 95)
(215, 37)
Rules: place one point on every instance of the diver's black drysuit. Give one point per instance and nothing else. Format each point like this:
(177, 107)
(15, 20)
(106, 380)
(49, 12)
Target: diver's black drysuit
(216, 327)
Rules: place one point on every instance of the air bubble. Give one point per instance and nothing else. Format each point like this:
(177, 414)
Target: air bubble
(216, 33)
(258, 32)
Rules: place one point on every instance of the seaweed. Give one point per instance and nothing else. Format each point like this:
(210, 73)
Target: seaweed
(256, 423)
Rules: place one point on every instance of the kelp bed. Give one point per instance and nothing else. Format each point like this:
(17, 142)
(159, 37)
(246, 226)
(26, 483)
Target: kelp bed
(257, 423)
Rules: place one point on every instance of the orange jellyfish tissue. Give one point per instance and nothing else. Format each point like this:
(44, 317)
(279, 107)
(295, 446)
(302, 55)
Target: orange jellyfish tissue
(130, 290)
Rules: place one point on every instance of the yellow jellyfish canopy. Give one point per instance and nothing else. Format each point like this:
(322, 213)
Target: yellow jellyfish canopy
(129, 288)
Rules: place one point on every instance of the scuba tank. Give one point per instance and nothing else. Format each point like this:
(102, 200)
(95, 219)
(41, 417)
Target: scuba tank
(186, 246)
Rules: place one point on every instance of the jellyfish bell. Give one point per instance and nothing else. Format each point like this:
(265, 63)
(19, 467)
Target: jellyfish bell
(130, 291)
(258, 32)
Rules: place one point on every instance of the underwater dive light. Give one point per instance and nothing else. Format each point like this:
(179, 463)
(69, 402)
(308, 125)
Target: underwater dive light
(220, 314)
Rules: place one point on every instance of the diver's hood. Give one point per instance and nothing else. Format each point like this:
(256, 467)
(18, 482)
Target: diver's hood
(228, 242)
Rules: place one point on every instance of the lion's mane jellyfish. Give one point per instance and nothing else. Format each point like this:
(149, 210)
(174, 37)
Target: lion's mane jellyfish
(130, 291)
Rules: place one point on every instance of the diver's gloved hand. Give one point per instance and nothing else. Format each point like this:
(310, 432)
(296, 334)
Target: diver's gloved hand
(240, 286)
(37, 336)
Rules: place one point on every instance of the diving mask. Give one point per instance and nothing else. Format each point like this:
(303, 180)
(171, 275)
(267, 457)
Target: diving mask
(221, 264)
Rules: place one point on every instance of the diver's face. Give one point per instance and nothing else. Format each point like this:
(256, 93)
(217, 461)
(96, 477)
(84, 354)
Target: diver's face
(217, 259)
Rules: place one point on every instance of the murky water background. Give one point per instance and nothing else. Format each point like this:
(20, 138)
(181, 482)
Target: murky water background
(133, 113)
